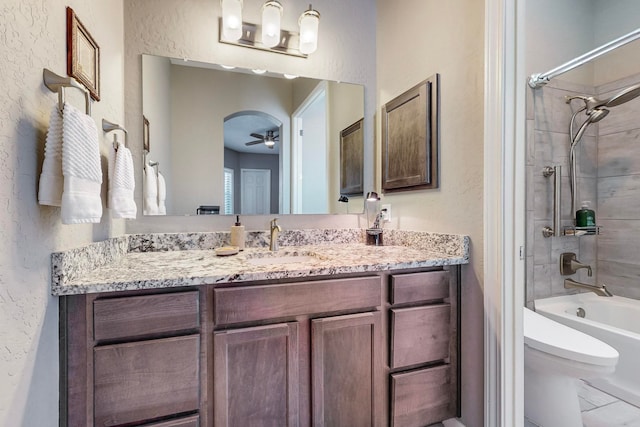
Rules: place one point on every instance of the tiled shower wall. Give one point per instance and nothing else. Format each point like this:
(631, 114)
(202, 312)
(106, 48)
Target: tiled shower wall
(548, 142)
(608, 161)
(618, 184)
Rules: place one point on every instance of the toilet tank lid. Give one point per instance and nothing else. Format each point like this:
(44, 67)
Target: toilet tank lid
(557, 339)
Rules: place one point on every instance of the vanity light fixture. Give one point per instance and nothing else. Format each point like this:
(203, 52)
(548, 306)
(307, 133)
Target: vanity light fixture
(309, 22)
(271, 15)
(232, 19)
(268, 35)
(343, 199)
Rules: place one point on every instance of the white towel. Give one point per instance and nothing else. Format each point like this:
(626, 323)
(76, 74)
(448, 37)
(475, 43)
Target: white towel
(162, 195)
(51, 180)
(121, 183)
(150, 190)
(81, 168)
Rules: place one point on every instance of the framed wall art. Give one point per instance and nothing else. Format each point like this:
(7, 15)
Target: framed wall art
(351, 159)
(83, 55)
(410, 138)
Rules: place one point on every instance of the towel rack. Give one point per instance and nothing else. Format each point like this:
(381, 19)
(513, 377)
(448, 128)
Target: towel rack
(56, 83)
(108, 126)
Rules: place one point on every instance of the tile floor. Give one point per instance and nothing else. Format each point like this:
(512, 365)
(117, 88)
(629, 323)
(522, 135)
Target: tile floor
(600, 409)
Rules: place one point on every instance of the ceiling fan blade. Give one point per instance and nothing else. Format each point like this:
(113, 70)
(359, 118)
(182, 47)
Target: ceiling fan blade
(253, 142)
(257, 135)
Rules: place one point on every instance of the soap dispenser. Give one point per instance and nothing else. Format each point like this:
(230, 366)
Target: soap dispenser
(585, 217)
(237, 234)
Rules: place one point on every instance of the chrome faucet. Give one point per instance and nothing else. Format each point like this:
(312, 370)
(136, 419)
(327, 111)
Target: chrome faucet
(569, 264)
(600, 290)
(275, 229)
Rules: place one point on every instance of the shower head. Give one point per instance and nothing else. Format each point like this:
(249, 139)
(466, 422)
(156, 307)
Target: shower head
(596, 115)
(592, 103)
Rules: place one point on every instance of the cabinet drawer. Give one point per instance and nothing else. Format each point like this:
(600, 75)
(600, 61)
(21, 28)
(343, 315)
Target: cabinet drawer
(191, 421)
(128, 317)
(248, 304)
(420, 334)
(139, 381)
(416, 287)
(422, 397)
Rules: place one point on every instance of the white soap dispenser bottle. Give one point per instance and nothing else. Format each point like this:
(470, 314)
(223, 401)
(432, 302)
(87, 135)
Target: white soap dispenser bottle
(237, 234)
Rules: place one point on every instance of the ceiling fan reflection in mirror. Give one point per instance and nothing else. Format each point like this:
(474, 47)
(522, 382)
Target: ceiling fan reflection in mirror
(269, 139)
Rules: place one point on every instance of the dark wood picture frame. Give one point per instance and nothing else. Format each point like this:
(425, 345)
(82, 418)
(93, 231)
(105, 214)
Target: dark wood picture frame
(146, 142)
(351, 159)
(411, 138)
(83, 55)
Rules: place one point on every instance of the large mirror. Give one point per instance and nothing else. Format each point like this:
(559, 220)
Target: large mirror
(231, 141)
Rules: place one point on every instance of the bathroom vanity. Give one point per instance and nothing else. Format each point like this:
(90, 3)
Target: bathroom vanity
(322, 335)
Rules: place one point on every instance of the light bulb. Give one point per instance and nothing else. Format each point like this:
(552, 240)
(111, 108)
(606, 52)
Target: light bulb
(271, 15)
(259, 71)
(232, 19)
(309, 21)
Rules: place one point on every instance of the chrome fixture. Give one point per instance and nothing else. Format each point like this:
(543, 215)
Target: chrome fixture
(372, 196)
(269, 36)
(600, 290)
(540, 79)
(56, 83)
(596, 110)
(275, 229)
(569, 264)
(580, 312)
(108, 126)
(556, 172)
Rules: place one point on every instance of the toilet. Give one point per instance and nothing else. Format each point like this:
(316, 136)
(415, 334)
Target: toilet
(556, 355)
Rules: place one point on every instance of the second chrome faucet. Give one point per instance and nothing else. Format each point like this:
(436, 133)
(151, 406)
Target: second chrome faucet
(275, 230)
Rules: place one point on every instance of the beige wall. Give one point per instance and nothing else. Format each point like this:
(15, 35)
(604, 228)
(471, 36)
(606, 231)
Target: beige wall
(416, 39)
(32, 37)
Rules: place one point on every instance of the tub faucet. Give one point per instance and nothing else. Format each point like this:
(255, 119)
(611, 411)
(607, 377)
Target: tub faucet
(275, 229)
(600, 290)
(569, 264)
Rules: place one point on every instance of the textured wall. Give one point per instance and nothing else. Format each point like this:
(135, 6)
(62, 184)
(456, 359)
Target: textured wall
(32, 36)
(189, 29)
(416, 39)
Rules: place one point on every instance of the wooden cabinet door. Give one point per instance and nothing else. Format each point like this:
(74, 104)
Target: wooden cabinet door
(256, 376)
(346, 371)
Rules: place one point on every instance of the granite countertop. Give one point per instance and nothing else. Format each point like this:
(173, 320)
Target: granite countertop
(120, 265)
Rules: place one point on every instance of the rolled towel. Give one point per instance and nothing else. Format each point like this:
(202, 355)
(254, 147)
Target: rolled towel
(81, 201)
(121, 183)
(150, 191)
(162, 195)
(51, 179)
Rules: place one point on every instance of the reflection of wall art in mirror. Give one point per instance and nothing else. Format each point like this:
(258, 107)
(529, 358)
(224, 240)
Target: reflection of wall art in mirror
(145, 134)
(351, 158)
(410, 138)
(83, 55)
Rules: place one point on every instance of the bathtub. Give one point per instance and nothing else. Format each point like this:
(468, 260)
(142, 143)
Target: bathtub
(614, 320)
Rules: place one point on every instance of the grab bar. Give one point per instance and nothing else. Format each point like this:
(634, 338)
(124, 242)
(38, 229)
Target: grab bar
(57, 83)
(556, 171)
(108, 126)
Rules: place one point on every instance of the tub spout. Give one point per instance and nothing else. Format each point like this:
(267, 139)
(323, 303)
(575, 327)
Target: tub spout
(600, 290)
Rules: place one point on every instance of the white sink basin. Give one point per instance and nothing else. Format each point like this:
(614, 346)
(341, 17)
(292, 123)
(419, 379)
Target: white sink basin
(283, 258)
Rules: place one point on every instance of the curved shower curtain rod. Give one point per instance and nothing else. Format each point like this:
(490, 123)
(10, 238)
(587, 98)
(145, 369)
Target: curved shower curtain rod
(541, 79)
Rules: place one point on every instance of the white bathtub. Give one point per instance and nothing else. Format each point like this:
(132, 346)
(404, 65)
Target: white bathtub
(614, 320)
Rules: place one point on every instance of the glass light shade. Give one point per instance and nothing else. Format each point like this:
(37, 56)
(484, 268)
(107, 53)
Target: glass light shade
(269, 142)
(309, 22)
(271, 15)
(232, 19)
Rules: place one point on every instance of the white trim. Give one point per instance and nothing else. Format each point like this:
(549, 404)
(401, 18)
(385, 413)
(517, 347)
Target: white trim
(504, 212)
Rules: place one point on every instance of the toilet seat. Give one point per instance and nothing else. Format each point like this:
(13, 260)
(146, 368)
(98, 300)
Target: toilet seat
(554, 338)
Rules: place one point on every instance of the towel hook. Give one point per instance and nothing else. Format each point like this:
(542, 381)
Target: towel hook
(108, 126)
(57, 83)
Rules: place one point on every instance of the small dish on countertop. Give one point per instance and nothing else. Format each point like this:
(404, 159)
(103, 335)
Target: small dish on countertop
(227, 250)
